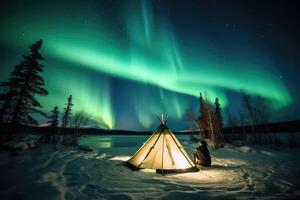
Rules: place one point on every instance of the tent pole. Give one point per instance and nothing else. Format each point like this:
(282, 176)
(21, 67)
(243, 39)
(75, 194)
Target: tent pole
(150, 149)
(162, 162)
(143, 145)
(180, 149)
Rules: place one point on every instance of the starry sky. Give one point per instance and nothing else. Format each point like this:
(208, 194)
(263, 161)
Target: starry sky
(127, 62)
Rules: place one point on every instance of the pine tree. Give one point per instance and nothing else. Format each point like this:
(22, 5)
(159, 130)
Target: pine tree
(202, 109)
(218, 115)
(5, 100)
(204, 115)
(18, 100)
(208, 121)
(53, 122)
(218, 124)
(67, 113)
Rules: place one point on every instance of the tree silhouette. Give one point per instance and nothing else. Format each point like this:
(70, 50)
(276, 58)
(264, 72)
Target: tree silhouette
(249, 106)
(205, 115)
(80, 119)
(202, 107)
(210, 124)
(18, 98)
(218, 115)
(5, 100)
(53, 122)
(263, 113)
(67, 113)
(231, 119)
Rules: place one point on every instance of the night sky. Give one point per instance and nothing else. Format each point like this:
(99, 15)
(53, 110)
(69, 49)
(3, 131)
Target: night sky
(127, 62)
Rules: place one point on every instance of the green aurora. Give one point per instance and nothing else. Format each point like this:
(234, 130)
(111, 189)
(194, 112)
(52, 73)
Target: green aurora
(143, 48)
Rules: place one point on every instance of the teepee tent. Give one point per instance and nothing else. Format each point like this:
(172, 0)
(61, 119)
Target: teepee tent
(163, 152)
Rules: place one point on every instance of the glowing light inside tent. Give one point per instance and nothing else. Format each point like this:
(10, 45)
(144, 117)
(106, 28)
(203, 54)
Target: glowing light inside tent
(179, 159)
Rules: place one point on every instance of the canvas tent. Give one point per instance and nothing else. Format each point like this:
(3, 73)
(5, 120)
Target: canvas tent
(163, 152)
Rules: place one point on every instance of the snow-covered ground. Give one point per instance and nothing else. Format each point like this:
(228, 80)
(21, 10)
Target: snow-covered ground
(48, 172)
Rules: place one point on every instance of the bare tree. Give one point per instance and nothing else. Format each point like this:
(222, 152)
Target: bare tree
(236, 120)
(241, 122)
(209, 123)
(80, 119)
(263, 113)
(191, 117)
(231, 119)
(249, 106)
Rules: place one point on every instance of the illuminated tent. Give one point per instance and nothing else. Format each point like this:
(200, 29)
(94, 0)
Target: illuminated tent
(163, 152)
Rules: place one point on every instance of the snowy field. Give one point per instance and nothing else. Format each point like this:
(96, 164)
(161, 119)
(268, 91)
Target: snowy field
(50, 172)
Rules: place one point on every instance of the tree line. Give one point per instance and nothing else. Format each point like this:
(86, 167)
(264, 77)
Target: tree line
(253, 111)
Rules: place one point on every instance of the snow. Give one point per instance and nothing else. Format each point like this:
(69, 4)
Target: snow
(238, 172)
(22, 143)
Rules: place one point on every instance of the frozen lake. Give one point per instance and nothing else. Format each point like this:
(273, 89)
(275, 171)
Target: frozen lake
(116, 144)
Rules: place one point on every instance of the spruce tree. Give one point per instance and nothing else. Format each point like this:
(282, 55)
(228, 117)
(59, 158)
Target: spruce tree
(201, 100)
(67, 112)
(5, 101)
(53, 122)
(18, 99)
(218, 114)
(218, 123)
(204, 115)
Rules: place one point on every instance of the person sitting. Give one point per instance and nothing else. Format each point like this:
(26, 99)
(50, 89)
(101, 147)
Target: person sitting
(201, 155)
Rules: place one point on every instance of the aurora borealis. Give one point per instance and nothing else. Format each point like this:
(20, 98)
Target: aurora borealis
(127, 62)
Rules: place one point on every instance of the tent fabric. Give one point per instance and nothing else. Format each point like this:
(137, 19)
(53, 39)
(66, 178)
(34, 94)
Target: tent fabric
(162, 151)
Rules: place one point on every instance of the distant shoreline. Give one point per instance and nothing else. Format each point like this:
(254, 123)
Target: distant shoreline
(289, 126)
